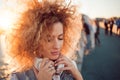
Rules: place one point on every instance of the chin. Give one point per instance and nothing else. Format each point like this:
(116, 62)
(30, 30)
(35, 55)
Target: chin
(54, 58)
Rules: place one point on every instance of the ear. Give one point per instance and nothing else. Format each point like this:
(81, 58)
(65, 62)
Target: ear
(40, 55)
(35, 53)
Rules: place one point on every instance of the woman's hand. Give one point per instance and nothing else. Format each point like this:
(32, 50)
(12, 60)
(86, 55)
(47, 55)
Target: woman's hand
(68, 65)
(46, 70)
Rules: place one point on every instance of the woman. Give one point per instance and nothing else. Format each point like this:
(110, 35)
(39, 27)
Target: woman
(43, 43)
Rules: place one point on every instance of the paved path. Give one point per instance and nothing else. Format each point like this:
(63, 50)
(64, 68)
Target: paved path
(103, 63)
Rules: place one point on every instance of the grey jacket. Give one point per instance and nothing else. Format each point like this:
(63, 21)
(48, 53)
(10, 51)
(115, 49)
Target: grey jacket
(29, 75)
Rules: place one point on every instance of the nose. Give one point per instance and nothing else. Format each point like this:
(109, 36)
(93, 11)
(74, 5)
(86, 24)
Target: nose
(56, 44)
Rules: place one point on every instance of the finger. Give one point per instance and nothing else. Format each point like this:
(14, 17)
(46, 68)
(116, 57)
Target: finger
(53, 71)
(49, 64)
(50, 69)
(35, 71)
(44, 61)
(62, 62)
(60, 59)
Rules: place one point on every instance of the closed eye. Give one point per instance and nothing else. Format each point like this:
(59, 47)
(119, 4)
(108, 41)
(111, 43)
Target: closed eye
(60, 37)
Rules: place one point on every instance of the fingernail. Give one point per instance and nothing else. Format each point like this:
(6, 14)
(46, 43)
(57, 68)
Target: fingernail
(55, 64)
(55, 61)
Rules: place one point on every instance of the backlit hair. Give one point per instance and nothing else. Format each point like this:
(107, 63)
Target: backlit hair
(35, 23)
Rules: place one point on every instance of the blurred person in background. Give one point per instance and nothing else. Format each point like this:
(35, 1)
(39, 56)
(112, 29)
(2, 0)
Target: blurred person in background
(97, 33)
(111, 26)
(89, 31)
(81, 49)
(106, 22)
(118, 26)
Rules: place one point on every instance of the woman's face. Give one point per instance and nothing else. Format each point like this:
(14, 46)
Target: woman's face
(54, 42)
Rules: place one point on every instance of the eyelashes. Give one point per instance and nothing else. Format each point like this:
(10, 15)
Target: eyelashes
(51, 39)
(60, 38)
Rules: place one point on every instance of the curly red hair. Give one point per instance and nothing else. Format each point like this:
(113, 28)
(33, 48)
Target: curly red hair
(25, 39)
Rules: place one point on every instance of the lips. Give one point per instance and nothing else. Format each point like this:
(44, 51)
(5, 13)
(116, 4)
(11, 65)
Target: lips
(55, 53)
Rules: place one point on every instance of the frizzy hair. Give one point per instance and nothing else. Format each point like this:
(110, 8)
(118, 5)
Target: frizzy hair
(33, 24)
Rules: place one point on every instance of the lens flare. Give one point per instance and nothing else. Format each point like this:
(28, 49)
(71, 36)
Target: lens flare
(10, 12)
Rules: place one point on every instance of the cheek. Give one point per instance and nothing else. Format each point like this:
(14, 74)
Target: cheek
(45, 52)
(61, 43)
(44, 49)
(47, 48)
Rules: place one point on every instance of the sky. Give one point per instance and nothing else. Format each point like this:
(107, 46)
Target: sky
(98, 8)
(101, 8)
